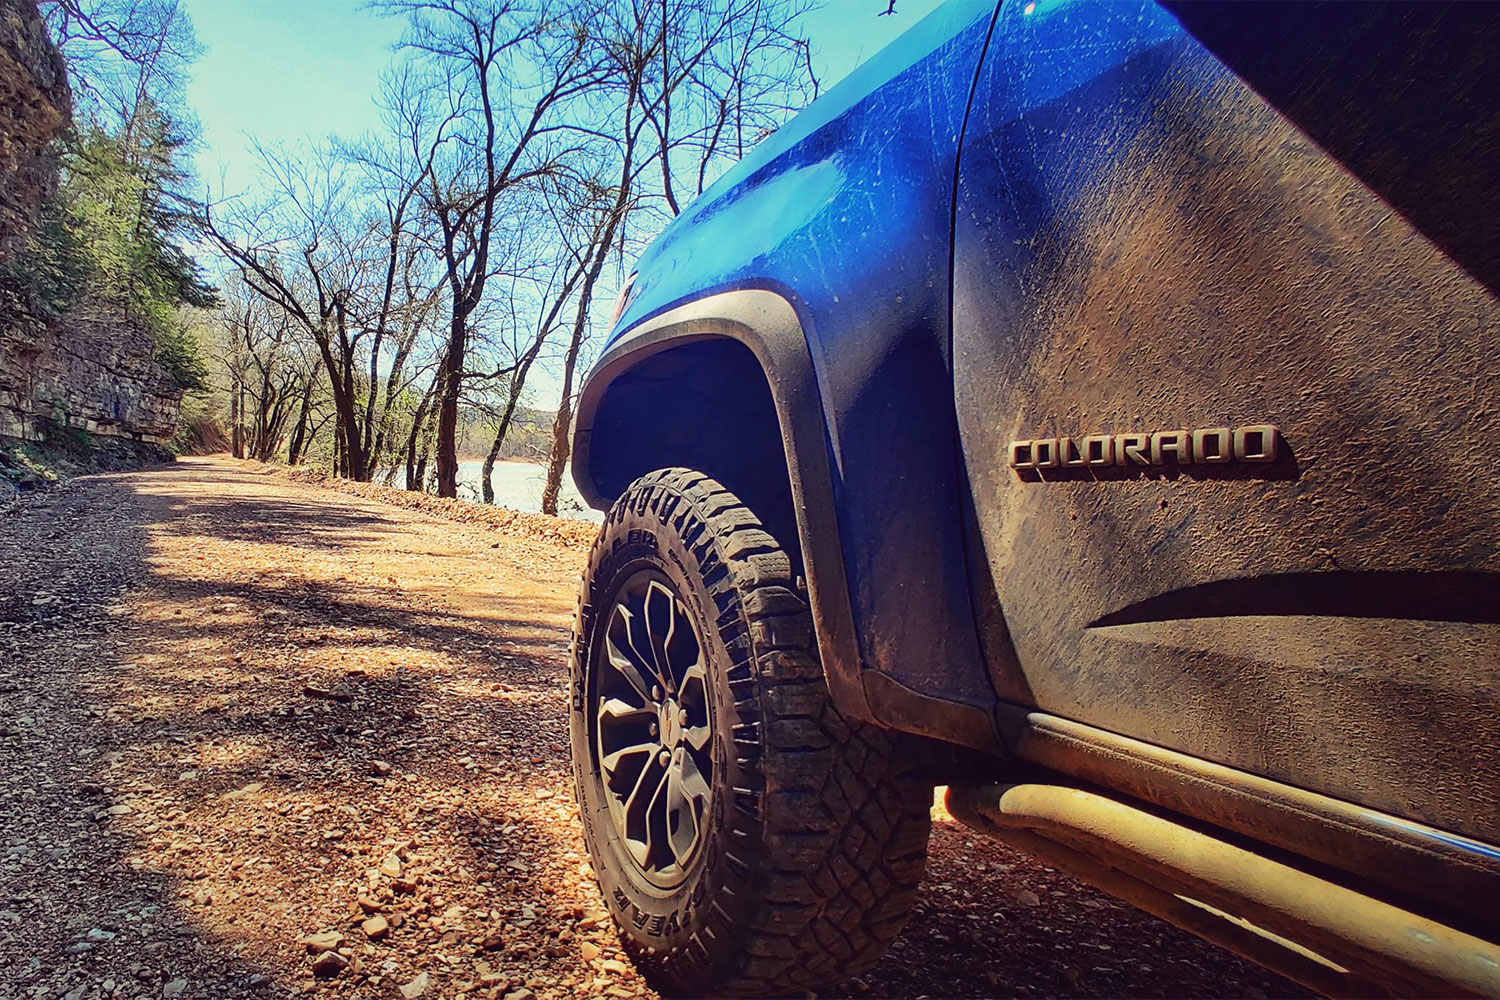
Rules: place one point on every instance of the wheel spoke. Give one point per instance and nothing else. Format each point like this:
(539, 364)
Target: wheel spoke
(616, 715)
(694, 785)
(634, 792)
(623, 664)
(681, 648)
(619, 710)
(695, 678)
(697, 737)
(643, 661)
(638, 850)
(656, 815)
(682, 812)
(660, 614)
(694, 695)
(640, 847)
(612, 760)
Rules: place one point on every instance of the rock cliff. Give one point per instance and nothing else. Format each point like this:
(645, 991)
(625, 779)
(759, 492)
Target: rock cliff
(93, 368)
(34, 106)
(93, 374)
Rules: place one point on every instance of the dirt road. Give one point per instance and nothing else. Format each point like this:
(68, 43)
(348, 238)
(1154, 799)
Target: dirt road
(238, 711)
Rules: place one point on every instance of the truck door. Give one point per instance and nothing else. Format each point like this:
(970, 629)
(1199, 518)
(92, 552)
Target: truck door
(1227, 374)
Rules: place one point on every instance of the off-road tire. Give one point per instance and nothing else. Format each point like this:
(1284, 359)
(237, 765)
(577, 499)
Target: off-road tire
(818, 832)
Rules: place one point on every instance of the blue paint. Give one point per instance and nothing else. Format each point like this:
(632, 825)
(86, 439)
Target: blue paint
(726, 235)
(848, 212)
(1428, 833)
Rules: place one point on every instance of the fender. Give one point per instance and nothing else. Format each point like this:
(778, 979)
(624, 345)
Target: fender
(767, 323)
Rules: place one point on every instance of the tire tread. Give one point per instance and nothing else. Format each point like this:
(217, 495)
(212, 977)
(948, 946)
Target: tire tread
(844, 805)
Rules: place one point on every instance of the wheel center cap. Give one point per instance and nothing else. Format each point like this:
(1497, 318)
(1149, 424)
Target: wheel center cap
(669, 721)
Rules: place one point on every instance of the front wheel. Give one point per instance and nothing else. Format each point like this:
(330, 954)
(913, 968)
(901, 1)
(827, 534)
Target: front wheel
(748, 839)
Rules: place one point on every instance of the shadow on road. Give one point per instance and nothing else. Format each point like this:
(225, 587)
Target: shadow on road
(229, 719)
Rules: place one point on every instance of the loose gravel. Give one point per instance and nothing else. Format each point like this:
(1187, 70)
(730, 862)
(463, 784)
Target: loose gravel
(267, 738)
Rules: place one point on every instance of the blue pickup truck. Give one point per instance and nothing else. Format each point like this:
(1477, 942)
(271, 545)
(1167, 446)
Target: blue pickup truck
(1092, 407)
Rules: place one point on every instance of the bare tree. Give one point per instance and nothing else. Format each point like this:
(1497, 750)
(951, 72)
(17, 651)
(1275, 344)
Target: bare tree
(304, 429)
(730, 74)
(506, 75)
(607, 210)
(420, 425)
(263, 369)
(346, 275)
(124, 55)
(552, 292)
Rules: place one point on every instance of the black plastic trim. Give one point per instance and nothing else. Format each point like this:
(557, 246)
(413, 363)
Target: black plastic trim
(767, 324)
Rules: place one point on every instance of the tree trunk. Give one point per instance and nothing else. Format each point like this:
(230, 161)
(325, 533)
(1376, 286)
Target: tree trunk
(299, 439)
(562, 427)
(236, 436)
(487, 488)
(349, 448)
(447, 433)
(351, 457)
(429, 433)
(312, 432)
(263, 406)
(422, 467)
(517, 383)
(413, 476)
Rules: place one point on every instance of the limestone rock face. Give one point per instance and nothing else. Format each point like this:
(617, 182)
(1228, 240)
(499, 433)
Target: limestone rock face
(94, 369)
(92, 373)
(34, 106)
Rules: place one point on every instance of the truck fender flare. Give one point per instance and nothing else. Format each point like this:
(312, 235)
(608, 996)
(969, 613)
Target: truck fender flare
(767, 324)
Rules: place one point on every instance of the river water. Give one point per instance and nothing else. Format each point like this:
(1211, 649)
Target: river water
(518, 485)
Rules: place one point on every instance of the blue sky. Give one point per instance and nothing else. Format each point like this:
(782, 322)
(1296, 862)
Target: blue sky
(285, 71)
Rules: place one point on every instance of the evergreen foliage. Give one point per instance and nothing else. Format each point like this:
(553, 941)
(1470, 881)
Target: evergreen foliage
(108, 246)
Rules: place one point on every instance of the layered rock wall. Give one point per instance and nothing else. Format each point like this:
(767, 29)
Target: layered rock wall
(96, 375)
(94, 369)
(34, 106)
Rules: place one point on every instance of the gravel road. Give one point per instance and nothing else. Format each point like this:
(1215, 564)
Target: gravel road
(262, 738)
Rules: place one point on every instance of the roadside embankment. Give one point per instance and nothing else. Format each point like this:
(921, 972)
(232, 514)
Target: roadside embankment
(574, 534)
(29, 465)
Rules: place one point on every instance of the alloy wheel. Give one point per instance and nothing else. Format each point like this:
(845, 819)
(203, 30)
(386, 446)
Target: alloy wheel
(653, 728)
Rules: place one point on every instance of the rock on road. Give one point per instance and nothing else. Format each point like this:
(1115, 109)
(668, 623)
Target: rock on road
(262, 738)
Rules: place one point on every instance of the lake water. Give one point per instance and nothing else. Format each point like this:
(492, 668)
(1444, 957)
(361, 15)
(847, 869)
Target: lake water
(518, 485)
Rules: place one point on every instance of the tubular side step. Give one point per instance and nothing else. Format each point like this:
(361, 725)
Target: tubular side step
(1328, 937)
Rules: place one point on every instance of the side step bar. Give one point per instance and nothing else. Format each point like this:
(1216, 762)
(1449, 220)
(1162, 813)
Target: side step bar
(1330, 938)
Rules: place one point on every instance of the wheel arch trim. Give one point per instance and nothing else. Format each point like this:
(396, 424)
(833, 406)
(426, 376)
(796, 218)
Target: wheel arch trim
(767, 323)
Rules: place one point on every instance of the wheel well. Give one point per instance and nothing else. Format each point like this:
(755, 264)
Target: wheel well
(706, 406)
